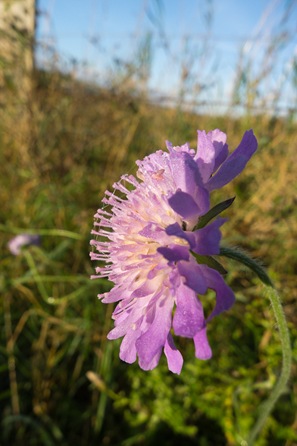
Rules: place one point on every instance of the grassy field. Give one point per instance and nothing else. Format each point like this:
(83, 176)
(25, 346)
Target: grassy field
(61, 381)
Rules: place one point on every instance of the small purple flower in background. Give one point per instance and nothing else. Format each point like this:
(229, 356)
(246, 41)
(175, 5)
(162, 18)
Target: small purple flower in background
(16, 244)
(157, 243)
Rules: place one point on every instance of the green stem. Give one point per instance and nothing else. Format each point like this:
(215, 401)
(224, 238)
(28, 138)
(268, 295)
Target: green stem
(266, 408)
(242, 257)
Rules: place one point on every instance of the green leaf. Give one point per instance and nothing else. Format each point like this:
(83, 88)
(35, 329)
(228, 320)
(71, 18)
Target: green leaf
(213, 212)
(209, 261)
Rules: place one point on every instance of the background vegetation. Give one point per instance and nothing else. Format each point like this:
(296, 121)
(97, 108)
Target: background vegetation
(62, 382)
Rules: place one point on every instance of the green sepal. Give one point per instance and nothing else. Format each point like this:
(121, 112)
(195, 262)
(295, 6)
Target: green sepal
(213, 212)
(209, 261)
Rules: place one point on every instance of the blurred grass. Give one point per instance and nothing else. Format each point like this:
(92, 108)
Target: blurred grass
(61, 380)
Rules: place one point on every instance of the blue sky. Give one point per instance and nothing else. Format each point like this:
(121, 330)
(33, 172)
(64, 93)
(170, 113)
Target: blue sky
(184, 41)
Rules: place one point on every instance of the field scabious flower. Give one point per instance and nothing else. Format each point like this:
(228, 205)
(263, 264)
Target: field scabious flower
(156, 253)
(16, 244)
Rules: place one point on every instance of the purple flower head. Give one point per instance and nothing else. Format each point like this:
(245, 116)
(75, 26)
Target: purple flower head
(156, 253)
(16, 244)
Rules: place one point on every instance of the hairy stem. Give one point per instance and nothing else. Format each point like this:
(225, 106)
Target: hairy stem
(266, 408)
(242, 257)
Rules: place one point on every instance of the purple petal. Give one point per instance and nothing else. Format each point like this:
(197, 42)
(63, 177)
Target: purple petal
(187, 178)
(224, 295)
(128, 349)
(201, 197)
(154, 232)
(174, 357)
(176, 230)
(169, 146)
(150, 344)
(174, 253)
(202, 347)
(191, 271)
(184, 148)
(235, 163)
(188, 317)
(207, 239)
(114, 295)
(144, 290)
(221, 156)
(184, 204)
(124, 321)
(212, 150)
(184, 171)
(205, 155)
(154, 271)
